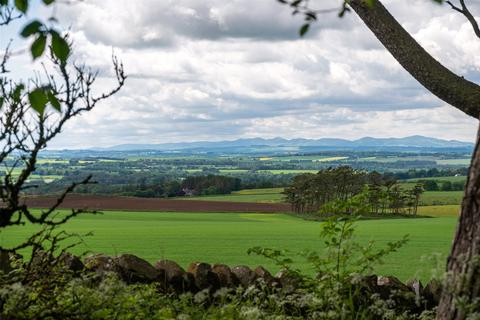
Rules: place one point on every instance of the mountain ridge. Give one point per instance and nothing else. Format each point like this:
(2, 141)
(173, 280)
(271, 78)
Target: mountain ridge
(415, 141)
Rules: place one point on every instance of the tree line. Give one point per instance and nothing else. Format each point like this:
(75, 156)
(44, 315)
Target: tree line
(343, 190)
(442, 185)
(142, 184)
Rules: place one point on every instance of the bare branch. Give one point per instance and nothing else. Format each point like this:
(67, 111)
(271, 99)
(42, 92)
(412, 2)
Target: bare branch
(7, 15)
(26, 131)
(466, 12)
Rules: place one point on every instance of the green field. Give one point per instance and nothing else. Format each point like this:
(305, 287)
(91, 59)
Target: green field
(313, 158)
(455, 162)
(449, 178)
(288, 171)
(440, 211)
(47, 160)
(225, 237)
(46, 179)
(274, 195)
(259, 191)
(270, 195)
(451, 162)
(387, 159)
(441, 198)
(226, 171)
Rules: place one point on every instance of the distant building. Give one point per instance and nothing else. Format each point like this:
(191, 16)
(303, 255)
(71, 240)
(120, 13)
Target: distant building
(188, 192)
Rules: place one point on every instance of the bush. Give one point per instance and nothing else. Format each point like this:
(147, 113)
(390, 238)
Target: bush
(341, 288)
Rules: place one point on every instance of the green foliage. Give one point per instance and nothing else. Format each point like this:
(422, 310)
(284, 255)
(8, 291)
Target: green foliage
(311, 14)
(211, 184)
(344, 190)
(60, 46)
(109, 298)
(40, 97)
(339, 269)
(442, 198)
(38, 100)
(38, 46)
(21, 5)
(226, 237)
(36, 29)
(304, 29)
(333, 294)
(31, 28)
(17, 92)
(354, 206)
(341, 257)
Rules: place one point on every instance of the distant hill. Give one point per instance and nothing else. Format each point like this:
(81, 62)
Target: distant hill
(255, 145)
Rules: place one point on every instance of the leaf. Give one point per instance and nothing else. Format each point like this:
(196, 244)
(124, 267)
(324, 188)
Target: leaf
(48, 2)
(54, 101)
(38, 100)
(60, 46)
(38, 46)
(17, 92)
(310, 16)
(21, 5)
(295, 3)
(304, 29)
(31, 28)
(3, 2)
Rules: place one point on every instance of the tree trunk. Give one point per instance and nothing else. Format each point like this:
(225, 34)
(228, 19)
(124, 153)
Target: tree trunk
(446, 85)
(463, 278)
(463, 265)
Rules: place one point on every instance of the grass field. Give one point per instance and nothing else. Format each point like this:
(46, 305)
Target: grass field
(387, 159)
(449, 178)
(46, 179)
(223, 171)
(313, 158)
(287, 171)
(225, 237)
(440, 211)
(441, 198)
(274, 195)
(47, 160)
(455, 162)
(270, 195)
(259, 191)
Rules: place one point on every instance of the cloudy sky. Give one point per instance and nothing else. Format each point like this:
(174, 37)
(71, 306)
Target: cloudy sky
(220, 70)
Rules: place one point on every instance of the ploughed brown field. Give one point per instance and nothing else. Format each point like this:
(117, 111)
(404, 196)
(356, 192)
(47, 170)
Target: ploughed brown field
(154, 204)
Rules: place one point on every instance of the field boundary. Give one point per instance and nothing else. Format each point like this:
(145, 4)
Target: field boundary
(155, 204)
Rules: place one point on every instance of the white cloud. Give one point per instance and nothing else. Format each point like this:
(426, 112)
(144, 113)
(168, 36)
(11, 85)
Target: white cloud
(217, 69)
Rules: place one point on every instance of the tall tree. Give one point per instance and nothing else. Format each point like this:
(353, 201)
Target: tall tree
(461, 294)
(34, 111)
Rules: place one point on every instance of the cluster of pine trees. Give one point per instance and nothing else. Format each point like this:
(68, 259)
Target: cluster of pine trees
(210, 184)
(344, 190)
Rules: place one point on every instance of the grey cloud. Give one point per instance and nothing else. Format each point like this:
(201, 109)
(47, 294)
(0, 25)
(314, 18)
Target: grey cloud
(150, 23)
(210, 70)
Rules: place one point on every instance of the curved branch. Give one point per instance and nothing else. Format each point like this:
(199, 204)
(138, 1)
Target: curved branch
(466, 12)
(446, 85)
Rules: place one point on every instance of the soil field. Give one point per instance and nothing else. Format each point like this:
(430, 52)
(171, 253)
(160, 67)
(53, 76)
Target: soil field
(152, 204)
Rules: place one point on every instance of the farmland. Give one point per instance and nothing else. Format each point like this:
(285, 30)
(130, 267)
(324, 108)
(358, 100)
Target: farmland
(274, 195)
(448, 178)
(441, 198)
(221, 228)
(223, 160)
(226, 237)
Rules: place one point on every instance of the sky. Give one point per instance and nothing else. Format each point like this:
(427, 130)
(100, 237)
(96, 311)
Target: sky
(222, 70)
